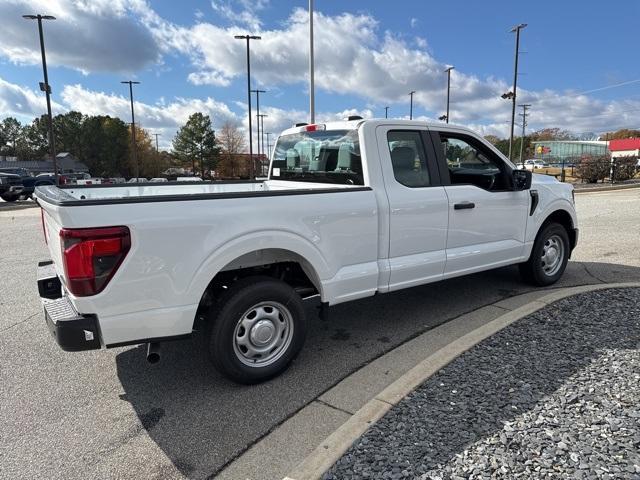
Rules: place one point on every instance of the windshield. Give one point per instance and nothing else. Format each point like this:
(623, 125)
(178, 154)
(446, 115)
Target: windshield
(322, 156)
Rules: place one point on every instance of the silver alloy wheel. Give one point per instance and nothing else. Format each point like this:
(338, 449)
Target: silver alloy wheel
(263, 334)
(553, 252)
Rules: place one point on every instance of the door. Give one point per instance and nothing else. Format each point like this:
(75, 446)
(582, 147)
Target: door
(487, 218)
(417, 205)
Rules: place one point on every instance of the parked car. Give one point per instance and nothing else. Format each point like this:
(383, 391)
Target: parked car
(10, 187)
(533, 164)
(137, 180)
(349, 210)
(158, 180)
(189, 179)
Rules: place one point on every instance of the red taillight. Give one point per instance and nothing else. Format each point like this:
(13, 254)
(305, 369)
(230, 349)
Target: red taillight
(91, 257)
(315, 127)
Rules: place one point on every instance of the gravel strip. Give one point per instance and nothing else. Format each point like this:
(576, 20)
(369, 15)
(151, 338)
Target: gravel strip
(555, 395)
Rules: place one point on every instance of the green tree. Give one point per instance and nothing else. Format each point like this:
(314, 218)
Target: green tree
(10, 131)
(105, 146)
(196, 141)
(67, 129)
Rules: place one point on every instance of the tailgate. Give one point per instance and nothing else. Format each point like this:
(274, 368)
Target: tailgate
(51, 228)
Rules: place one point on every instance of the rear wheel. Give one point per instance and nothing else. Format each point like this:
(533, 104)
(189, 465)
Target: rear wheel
(549, 256)
(257, 328)
(9, 198)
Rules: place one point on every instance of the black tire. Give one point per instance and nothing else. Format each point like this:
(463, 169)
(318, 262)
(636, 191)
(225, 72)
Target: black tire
(9, 198)
(239, 302)
(534, 270)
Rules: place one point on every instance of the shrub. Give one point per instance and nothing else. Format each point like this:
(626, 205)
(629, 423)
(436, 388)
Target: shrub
(593, 169)
(625, 168)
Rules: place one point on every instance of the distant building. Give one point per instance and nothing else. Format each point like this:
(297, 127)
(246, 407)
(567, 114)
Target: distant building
(568, 151)
(67, 163)
(625, 147)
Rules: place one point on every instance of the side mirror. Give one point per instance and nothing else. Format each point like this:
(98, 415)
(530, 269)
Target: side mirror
(521, 180)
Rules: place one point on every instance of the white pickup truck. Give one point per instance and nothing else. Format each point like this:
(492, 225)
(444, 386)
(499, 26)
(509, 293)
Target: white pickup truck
(350, 209)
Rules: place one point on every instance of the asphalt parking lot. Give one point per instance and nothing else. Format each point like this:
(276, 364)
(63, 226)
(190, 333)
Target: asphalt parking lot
(109, 414)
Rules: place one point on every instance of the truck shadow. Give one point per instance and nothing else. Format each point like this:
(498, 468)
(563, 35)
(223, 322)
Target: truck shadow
(202, 421)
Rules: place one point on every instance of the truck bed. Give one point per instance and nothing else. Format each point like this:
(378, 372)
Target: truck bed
(78, 195)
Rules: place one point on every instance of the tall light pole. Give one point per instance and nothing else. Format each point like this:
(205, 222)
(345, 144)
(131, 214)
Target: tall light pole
(515, 29)
(258, 92)
(248, 38)
(312, 95)
(448, 72)
(386, 112)
(47, 89)
(524, 114)
(411, 104)
(133, 128)
(261, 139)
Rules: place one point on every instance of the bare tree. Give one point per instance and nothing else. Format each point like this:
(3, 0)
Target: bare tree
(232, 141)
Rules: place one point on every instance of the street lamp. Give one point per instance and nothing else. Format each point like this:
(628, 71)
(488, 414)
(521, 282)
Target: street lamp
(386, 112)
(258, 92)
(411, 104)
(448, 72)
(312, 96)
(261, 123)
(515, 29)
(248, 38)
(46, 88)
(133, 127)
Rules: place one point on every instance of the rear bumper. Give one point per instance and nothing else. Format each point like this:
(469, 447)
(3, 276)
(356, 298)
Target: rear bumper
(73, 331)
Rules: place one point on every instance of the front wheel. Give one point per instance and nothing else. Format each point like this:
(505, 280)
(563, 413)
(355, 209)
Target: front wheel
(257, 328)
(549, 256)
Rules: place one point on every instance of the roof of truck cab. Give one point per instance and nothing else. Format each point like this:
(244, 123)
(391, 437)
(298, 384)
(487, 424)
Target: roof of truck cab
(353, 124)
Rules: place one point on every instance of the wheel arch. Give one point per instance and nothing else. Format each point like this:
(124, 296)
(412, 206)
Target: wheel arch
(564, 218)
(283, 255)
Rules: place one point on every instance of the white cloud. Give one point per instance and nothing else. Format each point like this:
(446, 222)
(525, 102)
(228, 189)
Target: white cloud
(413, 22)
(22, 102)
(246, 15)
(87, 35)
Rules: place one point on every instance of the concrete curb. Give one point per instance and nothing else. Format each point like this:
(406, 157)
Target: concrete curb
(612, 188)
(338, 442)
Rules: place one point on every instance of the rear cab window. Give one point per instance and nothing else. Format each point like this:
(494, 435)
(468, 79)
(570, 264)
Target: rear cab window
(323, 156)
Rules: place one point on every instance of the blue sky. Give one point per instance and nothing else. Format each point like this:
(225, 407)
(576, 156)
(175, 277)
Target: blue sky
(369, 54)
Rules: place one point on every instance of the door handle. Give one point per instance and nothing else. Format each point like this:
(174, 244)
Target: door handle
(464, 205)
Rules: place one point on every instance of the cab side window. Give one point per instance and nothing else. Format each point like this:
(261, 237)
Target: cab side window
(470, 162)
(408, 158)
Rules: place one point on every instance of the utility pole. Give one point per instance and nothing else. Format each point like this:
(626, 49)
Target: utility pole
(448, 72)
(411, 104)
(312, 96)
(258, 92)
(133, 128)
(386, 112)
(524, 114)
(268, 134)
(261, 139)
(47, 90)
(248, 38)
(515, 29)
(157, 154)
